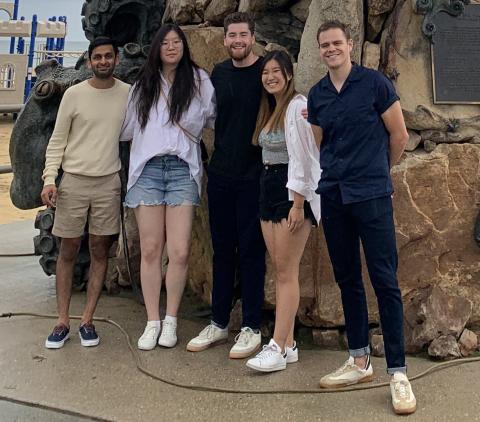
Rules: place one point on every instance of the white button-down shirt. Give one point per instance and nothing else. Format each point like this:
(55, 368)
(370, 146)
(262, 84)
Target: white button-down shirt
(161, 137)
(303, 155)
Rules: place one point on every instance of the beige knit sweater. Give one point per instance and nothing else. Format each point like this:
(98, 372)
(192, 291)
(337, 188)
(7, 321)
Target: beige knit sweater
(86, 135)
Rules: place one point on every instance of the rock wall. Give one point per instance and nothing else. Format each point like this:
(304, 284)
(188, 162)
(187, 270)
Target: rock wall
(310, 69)
(406, 59)
(436, 183)
(436, 187)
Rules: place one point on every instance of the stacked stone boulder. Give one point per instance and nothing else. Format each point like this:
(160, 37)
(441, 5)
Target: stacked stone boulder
(436, 182)
(436, 192)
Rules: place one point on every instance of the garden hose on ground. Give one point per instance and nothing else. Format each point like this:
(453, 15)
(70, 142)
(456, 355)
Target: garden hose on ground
(16, 255)
(204, 388)
(201, 388)
(54, 409)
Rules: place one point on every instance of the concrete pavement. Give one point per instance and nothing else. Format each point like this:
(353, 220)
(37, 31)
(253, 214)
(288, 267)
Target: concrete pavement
(103, 382)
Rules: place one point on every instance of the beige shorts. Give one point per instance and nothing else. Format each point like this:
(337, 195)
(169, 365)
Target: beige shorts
(95, 199)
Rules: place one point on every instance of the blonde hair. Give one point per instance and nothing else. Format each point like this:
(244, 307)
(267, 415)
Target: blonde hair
(270, 110)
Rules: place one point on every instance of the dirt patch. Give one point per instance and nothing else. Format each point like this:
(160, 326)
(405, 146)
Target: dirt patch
(8, 212)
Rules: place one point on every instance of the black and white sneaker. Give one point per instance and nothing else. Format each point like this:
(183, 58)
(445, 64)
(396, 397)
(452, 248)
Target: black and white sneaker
(292, 353)
(270, 359)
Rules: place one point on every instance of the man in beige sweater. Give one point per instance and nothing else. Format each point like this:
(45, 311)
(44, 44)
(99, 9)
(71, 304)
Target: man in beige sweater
(85, 144)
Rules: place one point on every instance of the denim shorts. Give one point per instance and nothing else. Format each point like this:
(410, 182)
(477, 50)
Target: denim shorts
(165, 180)
(274, 203)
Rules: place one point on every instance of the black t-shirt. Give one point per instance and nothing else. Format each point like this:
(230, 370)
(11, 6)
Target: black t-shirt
(238, 91)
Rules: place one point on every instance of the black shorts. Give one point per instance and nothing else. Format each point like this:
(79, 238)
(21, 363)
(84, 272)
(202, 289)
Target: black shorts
(274, 203)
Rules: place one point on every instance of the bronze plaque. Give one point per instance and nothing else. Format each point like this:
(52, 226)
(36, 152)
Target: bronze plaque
(456, 57)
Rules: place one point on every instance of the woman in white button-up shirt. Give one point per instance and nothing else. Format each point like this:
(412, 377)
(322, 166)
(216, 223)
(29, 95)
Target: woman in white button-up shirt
(289, 205)
(171, 103)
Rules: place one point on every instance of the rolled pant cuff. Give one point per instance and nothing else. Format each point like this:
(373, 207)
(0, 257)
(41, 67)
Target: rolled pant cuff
(358, 353)
(402, 369)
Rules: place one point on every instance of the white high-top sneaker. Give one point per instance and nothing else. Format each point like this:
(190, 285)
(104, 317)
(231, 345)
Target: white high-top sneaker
(247, 342)
(209, 336)
(270, 359)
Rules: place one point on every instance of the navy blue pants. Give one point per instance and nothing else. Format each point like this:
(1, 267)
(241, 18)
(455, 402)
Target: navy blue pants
(237, 241)
(370, 222)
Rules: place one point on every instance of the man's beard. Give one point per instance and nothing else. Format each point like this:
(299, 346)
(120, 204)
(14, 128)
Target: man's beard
(235, 55)
(103, 75)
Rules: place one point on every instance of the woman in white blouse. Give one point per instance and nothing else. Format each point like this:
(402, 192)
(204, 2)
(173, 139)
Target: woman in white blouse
(289, 205)
(169, 105)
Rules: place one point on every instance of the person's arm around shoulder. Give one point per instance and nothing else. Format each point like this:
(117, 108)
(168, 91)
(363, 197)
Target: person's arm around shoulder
(313, 120)
(209, 99)
(56, 148)
(128, 126)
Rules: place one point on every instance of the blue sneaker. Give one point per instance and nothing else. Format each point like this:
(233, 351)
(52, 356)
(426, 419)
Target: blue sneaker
(58, 337)
(88, 335)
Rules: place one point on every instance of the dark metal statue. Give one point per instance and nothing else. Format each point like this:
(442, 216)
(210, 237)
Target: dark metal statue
(432, 7)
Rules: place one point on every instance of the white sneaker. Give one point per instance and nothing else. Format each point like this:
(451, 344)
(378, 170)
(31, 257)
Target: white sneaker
(269, 359)
(403, 399)
(348, 374)
(247, 342)
(209, 336)
(168, 338)
(149, 338)
(292, 353)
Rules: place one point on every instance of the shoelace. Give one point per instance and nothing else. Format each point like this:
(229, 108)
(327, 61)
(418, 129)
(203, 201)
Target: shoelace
(267, 351)
(89, 328)
(243, 337)
(59, 329)
(168, 328)
(401, 388)
(149, 331)
(344, 367)
(207, 332)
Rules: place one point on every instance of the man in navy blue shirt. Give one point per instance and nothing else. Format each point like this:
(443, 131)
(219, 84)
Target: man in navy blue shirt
(358, 124)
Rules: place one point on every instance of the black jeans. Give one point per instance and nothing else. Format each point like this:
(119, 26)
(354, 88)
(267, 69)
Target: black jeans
(236, 239)
(371, 222)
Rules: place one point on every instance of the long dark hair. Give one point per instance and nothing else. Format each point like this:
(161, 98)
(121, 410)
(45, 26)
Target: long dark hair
(270, 110)
(148, 85)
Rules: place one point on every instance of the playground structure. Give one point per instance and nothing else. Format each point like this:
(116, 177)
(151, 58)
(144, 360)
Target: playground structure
(16, 68)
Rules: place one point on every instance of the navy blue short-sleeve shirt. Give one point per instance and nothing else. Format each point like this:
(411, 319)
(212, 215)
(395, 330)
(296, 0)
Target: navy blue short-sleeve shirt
(354, 153)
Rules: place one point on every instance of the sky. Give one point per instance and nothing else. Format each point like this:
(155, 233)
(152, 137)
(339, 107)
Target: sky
(45, 9)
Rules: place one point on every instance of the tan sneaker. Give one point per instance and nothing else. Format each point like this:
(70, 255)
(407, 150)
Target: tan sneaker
(347, 374)
(403, 399)
(209, 336)
(247, 342)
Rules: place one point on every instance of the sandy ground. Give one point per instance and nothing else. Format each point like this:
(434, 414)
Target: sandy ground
(8, 212)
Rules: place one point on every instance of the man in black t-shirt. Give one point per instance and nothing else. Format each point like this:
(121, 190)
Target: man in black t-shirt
(233, 193)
